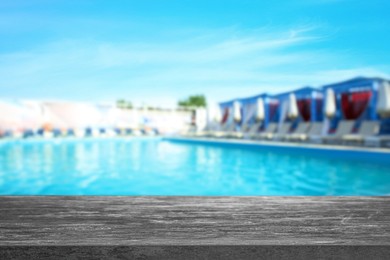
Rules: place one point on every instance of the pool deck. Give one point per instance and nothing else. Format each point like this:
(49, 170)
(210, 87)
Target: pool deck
(72, 227)
(272, 143)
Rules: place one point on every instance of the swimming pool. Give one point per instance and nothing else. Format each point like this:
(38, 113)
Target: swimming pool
(155, 166)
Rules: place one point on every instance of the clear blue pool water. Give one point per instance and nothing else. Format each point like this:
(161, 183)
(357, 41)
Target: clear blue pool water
(161, 167)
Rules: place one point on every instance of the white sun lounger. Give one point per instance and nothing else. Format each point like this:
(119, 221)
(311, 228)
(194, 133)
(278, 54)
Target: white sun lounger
(268, 133)
(193, 131)
(253, 130)
(208, 131)
(226, 130)
(366, 129)
(110, 132)
(234, 133)
(377, 141)
(344, 128)
(300, 132)
(246, 131)
(238, 134)
(79, 132)
(95, 132)
(283, 131)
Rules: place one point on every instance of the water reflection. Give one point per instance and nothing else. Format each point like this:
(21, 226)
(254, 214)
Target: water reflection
(153, 167)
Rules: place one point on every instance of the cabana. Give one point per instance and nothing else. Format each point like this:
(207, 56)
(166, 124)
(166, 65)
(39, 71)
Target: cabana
(309, 102)
(355, 100)
(213, 118)
(227, 112)
(231, 120)
(250, 110)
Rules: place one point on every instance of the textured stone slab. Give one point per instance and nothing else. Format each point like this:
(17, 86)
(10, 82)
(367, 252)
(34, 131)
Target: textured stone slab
(195, 226)
(195, 252)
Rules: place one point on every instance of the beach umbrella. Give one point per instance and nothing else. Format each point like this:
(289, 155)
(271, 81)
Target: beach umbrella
(260, 109)
(236, 111)
(330, 103)
(383, 105)
(292, 111)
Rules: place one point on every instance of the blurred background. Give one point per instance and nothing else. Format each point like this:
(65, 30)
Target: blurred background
(146, 66)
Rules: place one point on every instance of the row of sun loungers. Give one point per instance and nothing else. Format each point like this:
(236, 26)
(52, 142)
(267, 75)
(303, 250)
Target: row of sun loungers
(88, 132)
(366, 134)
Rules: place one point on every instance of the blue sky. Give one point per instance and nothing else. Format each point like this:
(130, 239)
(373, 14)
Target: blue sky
(156, 52)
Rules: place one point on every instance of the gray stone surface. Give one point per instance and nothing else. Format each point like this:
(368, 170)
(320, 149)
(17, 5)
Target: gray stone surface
(195, 227)
(196, 252)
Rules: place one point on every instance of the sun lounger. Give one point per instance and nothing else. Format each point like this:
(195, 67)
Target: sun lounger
(48, 134)
(252, 130)
(7, 134)
(238, 134)
(300, 133)
(102, 131)
(367, 128)
(206, 132)
(268, 133)
(314, 135)
(16, 134)
(283, 131)
(110, 132)
(377, 141)
(88, 132)
(28, 133)
(226, 129)
(79, 133)
(95, 132)
(344, 128)
(246, 131)
(209, 130)
(63, 132)
(56, 132)
(135, 131)
(146, 130)
(191, 131)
